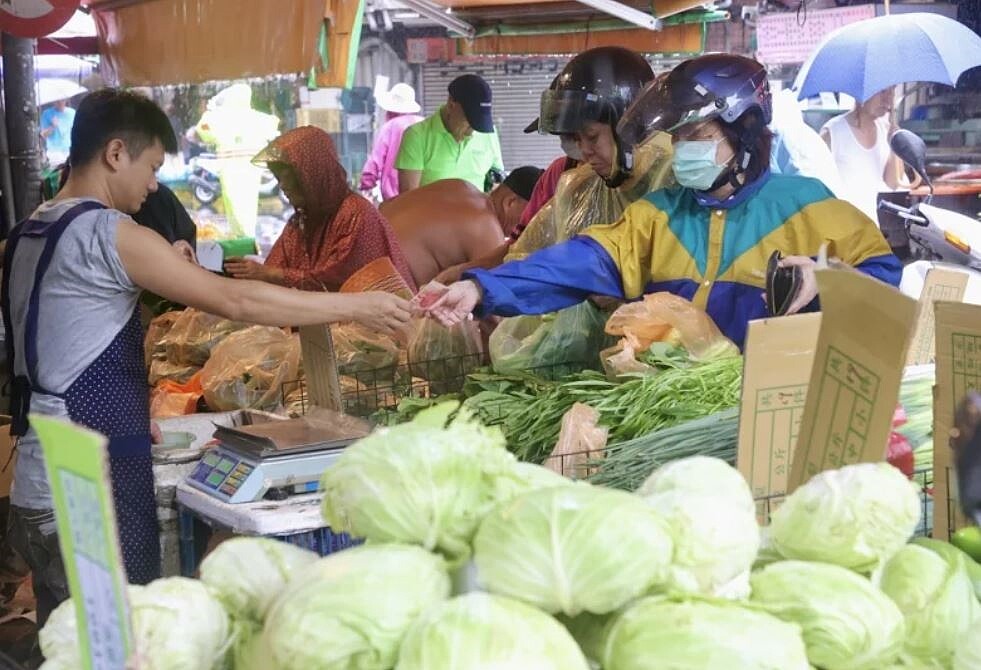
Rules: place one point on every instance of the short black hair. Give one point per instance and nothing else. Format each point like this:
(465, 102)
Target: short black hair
(110, 114)
(522, 180)
(759, 152)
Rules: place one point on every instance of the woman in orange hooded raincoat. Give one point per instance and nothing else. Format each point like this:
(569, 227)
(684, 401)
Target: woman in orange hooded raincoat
(333, 233)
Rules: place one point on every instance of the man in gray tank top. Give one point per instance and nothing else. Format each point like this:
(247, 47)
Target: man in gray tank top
(72, 276)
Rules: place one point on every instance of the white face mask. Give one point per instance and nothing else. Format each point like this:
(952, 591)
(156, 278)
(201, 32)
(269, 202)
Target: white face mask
(570, 148)
(694, 163)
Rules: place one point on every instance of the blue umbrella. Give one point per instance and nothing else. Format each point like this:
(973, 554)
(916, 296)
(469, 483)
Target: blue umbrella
(864, 58)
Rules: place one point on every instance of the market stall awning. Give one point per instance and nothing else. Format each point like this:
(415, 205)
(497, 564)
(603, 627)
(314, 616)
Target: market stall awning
(158, 42)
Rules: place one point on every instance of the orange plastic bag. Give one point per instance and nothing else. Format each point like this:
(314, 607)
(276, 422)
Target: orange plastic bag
(169, 399)
(664, 317)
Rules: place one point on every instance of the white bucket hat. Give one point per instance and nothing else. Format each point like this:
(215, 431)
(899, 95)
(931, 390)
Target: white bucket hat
(401, 99)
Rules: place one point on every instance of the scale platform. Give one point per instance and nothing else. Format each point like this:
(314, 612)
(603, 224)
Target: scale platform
(288, 456)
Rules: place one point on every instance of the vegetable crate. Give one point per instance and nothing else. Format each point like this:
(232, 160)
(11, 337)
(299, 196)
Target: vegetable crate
(922, 477)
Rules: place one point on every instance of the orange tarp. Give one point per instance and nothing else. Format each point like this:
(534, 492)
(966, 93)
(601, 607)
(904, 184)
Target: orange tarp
(685, 38)
(192, 41)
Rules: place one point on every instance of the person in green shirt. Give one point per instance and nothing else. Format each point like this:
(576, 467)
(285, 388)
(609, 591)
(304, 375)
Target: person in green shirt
(457, 142)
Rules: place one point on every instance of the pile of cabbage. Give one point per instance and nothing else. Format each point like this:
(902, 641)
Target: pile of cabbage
(475, 561)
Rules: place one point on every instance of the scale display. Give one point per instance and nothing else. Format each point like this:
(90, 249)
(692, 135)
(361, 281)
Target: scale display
(222, 473)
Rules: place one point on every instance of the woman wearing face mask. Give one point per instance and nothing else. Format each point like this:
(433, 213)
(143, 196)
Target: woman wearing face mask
(708, 241)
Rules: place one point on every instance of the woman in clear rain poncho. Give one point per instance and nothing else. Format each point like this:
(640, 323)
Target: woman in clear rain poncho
(709, 241)
(584, 103)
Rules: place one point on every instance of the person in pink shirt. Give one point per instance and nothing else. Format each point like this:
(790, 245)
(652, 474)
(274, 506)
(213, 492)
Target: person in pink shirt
(402, 111)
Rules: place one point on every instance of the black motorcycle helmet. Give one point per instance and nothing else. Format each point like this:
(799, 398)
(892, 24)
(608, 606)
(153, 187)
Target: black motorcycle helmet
(733, 89)
(597, 85)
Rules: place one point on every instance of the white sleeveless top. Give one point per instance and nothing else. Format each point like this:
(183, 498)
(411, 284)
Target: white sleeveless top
(861, 169)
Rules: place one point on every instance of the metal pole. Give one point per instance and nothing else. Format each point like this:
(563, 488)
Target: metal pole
(6, 179)
(23, 135)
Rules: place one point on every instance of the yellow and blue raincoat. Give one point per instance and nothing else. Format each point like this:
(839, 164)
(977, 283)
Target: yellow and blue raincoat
(713, 253)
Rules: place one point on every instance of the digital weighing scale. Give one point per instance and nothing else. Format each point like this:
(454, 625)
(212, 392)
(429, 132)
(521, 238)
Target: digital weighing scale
(289, 455)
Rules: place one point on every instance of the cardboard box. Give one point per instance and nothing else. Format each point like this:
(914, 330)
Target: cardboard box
(328, 120)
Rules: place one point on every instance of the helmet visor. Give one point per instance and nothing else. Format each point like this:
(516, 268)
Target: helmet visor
(565, 112)
(665, 106)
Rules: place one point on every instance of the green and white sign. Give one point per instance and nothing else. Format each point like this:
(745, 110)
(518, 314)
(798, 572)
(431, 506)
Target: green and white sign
(77, 468)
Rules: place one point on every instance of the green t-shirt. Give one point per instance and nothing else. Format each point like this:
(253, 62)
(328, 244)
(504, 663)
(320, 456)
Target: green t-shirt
(428, 147)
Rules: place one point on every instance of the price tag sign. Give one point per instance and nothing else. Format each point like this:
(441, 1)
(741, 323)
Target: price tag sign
(858, 368)
(958, 328)
(940, 286)
(779, 356)
(75, 460)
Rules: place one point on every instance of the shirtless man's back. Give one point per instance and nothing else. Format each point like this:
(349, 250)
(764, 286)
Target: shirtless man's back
(450, 222)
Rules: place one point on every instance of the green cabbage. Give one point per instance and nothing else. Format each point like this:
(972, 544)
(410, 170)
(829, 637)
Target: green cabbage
(177, 625)
(657, 633)
(480, 631)
(967, 655)
(419, 483)
(590, 632)
(847, 623)
(350, 610)
(573, 549)
(949, 552)
(935, 595)
(855, 517)
(248, 573)
(716, 540)
(701, 475)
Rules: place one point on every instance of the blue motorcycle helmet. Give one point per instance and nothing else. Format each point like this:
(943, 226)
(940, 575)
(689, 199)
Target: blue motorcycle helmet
(731, 89)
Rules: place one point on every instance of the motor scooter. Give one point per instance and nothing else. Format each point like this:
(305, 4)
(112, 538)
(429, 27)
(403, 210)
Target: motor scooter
(205, 181)
(937, 236)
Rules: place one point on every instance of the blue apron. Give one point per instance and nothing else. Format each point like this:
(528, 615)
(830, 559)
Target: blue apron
(111, 396)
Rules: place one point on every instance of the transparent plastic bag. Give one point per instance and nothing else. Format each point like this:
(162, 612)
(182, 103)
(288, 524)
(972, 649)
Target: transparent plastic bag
(248, 369)
(162, 370)
(195, 334)
(153, 342)
(665, 317)
(359, 350)
(444, 356)
(574, 335)
(583, 199)
(581, 442)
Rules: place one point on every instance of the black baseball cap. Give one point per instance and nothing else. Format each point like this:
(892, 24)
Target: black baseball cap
(522, 180)
(474, 95)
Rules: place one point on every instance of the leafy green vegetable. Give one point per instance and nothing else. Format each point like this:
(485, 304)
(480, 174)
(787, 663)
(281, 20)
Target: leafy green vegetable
(847, 623)
(855, 517)
(715, 542)
(626, 465)
(967, 655)
(480, 631)
(248, 573)
(418, 483)
(177, 625)
(936, 596)
(351, 610)
(573, 549)
(657, 633)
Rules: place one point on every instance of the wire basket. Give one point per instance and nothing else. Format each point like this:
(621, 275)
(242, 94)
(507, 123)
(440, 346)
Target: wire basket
(373, 393)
